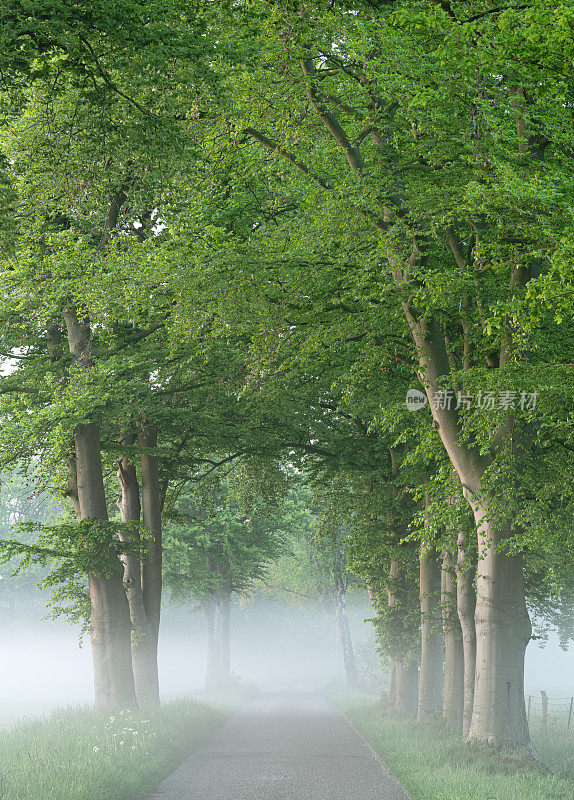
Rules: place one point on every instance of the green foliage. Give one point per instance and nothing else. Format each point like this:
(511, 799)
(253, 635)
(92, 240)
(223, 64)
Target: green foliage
(314, 551)
(221, 533)
(69, 551)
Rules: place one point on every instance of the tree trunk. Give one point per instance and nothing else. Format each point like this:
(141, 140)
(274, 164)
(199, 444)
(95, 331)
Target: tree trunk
(502, 624)
(406, 691)
(431, 669)
(503, 631)
(346, 641)
(143, 642)
(392, 694)
(212, 613)
(404, 671)
(453, 693)
(151, 571)
(225, 611)
(349, 660)
(466, 604)
(110, 626)
(392, 664)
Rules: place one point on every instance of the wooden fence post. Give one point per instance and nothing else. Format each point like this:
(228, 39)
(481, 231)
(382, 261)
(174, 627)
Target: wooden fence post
(570, 714)
(544, 709)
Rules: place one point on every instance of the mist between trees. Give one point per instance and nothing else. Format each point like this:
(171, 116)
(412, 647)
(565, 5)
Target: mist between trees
(233, 237)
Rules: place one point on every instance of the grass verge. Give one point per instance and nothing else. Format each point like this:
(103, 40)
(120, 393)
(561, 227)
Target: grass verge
(80, 754)
(432, 764)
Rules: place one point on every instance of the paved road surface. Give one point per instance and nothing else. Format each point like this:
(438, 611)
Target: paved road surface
(283, 746)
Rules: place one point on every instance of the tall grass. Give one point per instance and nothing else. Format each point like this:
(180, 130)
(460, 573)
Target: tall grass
(433, 764)
(555, 746)
(80, 754)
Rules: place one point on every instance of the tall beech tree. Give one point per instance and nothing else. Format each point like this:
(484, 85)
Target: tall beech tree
(84, 195)
(110, 627)
(441, 184)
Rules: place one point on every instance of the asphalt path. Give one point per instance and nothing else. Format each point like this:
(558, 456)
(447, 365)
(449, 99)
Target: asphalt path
(283, 746)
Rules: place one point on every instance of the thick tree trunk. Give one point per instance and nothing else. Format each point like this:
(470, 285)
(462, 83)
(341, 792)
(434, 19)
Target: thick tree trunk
(503, 631)
(151, 571)
(453, 693)
(431, 669)
(144, 641)
(502, 623)
(403, 688)
(110, 626)
(466, 605)
(406, 691)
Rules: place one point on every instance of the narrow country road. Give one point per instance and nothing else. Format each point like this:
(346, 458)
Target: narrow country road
(283, 746)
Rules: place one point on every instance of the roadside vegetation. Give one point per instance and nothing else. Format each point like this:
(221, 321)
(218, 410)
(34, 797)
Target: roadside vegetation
(432, 764)
(81, 753)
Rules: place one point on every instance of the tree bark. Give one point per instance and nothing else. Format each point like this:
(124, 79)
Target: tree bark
(503, 631)
(403, 688)
(339, 571)
(212, 611)
(225, 611)
(406, 691)
(431, 669)
(143, 640)
(502, 624)
(392, 664)
(110, 625)
(151, 571)
(392, 693)
(466, 605)
(453, 693)
(349, 660)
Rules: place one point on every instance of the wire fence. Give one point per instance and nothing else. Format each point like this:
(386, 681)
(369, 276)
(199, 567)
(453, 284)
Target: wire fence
(550, 712)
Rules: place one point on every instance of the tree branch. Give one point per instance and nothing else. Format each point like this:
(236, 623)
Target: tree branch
(352, 154)
(109, 82)
(497, 10)
(273, 146)
(446, 7)
(456, 248)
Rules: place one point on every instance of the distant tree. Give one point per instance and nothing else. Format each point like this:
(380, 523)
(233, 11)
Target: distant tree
(221, 536)
(23, 497)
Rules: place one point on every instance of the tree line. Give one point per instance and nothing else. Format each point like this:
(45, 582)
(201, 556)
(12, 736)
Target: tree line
(244, 233)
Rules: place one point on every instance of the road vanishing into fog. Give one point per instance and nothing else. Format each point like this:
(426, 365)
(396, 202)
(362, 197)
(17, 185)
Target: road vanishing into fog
(283, 746)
